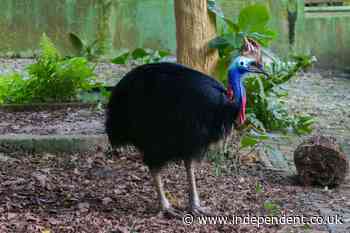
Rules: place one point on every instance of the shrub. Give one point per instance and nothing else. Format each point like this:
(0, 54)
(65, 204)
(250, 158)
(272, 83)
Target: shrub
(55, 79)
(266, 107)
(51, 79)
(13, 89)
(82, 47)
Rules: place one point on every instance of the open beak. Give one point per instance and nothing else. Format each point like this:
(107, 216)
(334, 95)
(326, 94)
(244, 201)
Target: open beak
(257, 68)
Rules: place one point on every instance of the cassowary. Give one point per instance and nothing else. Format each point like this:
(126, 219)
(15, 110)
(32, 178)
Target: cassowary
(171, 112)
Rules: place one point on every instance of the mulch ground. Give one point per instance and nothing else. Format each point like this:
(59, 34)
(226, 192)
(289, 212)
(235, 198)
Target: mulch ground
(104, 193)
(65, 121)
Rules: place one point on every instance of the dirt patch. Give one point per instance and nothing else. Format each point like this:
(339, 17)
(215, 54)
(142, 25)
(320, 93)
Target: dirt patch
(326, 96)
(56, 122)
(94, 193)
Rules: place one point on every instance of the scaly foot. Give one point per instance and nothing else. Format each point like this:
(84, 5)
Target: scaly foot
(171, 212)
(201, 211)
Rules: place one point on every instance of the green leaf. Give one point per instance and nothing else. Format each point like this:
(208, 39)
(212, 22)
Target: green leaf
(164, 53)
(248, 141)
(263, 37)
(232, 26)
(258, 187)
(227, 41)
(255, 121)
(92, 44)
(222, 69)
(303, 124)
(272, 208)
(77, 43)
(121, 59)
(253, 18)
(219, 42)
(139, 53)
(215, 8)
(259, 135)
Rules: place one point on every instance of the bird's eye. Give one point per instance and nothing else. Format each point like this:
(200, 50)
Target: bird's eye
(241, 63)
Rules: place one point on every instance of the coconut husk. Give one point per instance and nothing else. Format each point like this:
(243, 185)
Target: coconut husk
(321, 161)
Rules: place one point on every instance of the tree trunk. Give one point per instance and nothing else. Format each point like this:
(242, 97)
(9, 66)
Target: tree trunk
(195, 27)
(104, 39)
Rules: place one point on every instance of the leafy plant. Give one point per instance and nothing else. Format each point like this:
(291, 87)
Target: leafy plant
(82, 47)
(272, 208)
(141, 56)
(258, 188)
(12, 88)
(51, 79)
(266, 106)
(252, 24)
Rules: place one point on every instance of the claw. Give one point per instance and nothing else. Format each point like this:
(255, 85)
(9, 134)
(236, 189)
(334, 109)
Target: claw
(171, 212)
(202, 211)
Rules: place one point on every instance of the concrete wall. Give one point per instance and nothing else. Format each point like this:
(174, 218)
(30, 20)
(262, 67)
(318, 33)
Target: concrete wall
(23, 22)
(151, 23)
(123, 24)
(325, 33)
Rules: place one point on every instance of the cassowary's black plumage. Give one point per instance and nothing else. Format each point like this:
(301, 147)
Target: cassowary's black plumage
(169, 112)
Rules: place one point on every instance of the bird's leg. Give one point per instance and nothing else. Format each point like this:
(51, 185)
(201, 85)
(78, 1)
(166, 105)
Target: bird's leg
(165, 206)
(195, 206)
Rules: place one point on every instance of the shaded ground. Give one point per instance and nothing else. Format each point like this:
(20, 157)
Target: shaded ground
(93, 193)
(58, 122)
(325, 96)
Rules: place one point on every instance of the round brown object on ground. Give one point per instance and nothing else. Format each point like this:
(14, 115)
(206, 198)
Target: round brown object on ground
(320, 160)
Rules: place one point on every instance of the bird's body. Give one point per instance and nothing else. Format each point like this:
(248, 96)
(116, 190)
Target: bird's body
(172, 112)
(169, 112)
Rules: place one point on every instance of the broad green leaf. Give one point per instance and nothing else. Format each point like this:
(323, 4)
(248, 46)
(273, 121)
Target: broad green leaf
(263, 37)
(222, 69)
(215, 8)
(121, 59)
(253, 18)
(219, 42)
(226, 41)
(248, 141)
(259, 135)
(139, 53)
(232, 26)
(164, 53)
(92, 44)
(304, 125)
(77, 43)
(255, 121)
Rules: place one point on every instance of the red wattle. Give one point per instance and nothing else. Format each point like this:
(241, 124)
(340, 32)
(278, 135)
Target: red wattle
(242, 116)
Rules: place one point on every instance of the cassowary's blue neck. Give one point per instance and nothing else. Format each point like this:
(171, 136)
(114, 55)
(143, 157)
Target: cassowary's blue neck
(235, 82)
